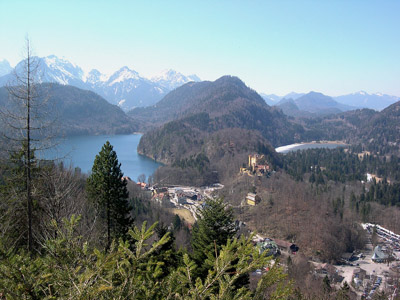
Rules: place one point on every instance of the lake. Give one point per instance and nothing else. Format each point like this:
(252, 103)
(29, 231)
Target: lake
(80, 151)
(303, 146)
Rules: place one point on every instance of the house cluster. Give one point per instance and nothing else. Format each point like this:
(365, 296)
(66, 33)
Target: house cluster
(252, 199)
(330, 271)
(160, 194)
(257, 165)
(185, 196)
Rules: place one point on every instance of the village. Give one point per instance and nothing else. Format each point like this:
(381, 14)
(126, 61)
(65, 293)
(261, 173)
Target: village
(186, 200)
(375, 268)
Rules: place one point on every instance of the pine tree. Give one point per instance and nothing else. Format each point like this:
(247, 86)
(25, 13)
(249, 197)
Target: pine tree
(166, 255)
(214, 226)
(107, 189)
(177, 222)
(343, 293)
(326, 285)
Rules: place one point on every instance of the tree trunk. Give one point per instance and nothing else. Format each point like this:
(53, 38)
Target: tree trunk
(108, 226)
(28, 155)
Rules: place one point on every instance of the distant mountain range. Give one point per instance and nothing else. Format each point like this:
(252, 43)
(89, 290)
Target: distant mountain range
(356, 100)
(362, 99)
(125, 87)
(311, 105)
(128, 89)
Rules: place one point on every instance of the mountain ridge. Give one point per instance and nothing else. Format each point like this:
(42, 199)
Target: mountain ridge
(363, 99)
(80, 112)
(312, 104)
(212, 106)
(125, 87)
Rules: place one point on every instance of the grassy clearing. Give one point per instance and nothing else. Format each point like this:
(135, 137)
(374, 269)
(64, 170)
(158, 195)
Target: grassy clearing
(184, 214)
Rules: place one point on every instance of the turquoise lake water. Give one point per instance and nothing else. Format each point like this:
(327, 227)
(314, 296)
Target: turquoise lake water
(80, 151)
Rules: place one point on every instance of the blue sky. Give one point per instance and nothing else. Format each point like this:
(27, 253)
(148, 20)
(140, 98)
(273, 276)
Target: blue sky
(334, 47)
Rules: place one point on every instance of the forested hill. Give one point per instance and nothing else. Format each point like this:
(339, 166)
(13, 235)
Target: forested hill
(224, 103)
(385, 126)
(376, 131)
(219, 123)
(77, 112)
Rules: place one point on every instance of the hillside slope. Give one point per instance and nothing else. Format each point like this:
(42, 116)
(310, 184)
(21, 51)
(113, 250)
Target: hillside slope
(217, 125)
(226, 103)
(375, 131)
(79, 112)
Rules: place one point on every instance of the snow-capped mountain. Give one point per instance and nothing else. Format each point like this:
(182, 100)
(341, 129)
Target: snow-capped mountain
(51, 69)
(95, 77)
(362, 99)
(171, 79)
(125, 87)
(61, 70)
(129, 90)
(122, 75)
(5, 67)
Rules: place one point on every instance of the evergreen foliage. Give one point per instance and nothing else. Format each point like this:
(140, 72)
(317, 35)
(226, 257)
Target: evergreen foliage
(199, 162)
(214, 227)
(339, 165)
(107, 188)
(344, 292)
(383, 193)
(167, 257)
(68, 268)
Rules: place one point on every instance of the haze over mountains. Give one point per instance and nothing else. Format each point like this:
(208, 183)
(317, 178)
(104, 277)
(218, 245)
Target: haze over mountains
(5, 67)
(312, 104)
(361, 99)
(126, 87)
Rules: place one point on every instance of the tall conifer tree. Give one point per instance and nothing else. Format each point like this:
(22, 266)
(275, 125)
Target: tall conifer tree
(107, 188)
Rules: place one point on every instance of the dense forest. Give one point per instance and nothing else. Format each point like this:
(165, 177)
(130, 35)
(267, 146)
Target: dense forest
(340, 165)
